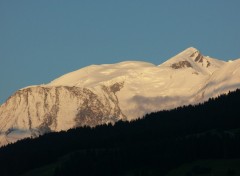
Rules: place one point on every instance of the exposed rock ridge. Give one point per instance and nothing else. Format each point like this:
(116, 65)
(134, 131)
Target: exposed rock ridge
(181, 64)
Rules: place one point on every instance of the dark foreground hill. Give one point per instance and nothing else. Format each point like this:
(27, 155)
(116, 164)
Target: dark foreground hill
(153, 145)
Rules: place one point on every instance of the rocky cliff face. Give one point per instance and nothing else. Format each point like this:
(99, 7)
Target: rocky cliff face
(37, 110)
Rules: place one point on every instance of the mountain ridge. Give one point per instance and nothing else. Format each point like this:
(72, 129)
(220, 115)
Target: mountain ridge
(106, 93)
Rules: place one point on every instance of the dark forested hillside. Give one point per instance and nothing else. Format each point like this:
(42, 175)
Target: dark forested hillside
(153, 145)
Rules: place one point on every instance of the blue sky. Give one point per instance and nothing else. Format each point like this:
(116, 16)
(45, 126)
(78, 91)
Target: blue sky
(41, 40)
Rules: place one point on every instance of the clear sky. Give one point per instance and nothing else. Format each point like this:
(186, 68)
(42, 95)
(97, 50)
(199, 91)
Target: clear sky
(43, 39)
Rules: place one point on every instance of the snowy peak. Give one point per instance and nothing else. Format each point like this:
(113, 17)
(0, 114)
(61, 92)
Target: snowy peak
(188, 52)
(100, 94)
(193, 59)
(184, 59)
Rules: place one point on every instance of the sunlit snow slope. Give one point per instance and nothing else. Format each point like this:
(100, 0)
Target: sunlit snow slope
(100, 94)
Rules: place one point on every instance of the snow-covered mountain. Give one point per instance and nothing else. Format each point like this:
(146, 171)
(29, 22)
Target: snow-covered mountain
(100, 94)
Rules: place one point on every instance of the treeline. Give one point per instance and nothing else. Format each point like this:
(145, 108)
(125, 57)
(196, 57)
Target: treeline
(153, 145)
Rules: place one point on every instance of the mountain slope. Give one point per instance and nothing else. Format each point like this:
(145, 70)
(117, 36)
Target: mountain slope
(161, 140)
(100, 94)
(37, 110)
(222, 80)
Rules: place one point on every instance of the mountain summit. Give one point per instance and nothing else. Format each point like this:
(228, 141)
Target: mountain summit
(191, 57)
(100, 94)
